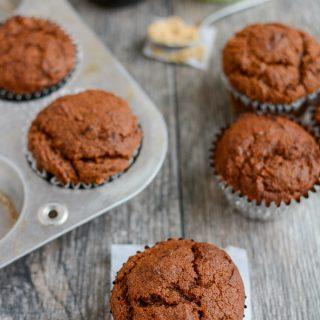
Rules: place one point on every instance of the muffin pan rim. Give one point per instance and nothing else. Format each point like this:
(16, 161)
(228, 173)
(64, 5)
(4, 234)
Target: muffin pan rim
(29, 218)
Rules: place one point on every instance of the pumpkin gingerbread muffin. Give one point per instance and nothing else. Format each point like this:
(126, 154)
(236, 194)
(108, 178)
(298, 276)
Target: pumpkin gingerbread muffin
(84, 138)
(35, 55)
(272, 65)
(267, 158)
(178, 280)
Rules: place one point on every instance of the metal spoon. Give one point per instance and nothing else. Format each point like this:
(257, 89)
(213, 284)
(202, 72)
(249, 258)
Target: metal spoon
(212, 18)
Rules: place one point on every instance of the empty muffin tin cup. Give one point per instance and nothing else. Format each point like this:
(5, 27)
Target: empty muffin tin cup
(12, 196)
(253, 209)
(266, 107)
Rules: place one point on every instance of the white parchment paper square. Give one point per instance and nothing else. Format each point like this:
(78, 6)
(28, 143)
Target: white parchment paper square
(120, 253)
(207, 40)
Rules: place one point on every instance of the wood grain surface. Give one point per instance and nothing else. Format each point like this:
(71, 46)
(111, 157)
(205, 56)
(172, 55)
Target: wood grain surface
(69, 278)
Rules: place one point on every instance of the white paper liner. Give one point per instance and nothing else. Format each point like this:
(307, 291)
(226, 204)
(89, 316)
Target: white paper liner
(310, 118)
(55, 182)
(252, 209)
(266, 107)
(120, 253)
(18, 97)
(161, 53)
(262, 211)
(49, 177)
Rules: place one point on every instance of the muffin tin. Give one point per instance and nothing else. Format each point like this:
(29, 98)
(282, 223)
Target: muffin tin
(44, 211)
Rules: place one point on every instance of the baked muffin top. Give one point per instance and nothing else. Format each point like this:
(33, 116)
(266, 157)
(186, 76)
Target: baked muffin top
(34, 54)
(272, 63)
(268, 158)
(178, 280)
(86, 137)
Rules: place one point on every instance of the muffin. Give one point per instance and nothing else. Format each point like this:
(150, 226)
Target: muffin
(178, 279)
(268, 160)
(271, 67)
(36, 56)
(84, 138)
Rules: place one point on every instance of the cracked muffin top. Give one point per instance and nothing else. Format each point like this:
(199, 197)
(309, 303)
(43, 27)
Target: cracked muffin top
(84, 138)
(178, 280)
(268, 158)
(272, 63)
(34, 54)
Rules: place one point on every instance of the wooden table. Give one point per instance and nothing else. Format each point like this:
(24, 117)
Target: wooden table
(69, 278)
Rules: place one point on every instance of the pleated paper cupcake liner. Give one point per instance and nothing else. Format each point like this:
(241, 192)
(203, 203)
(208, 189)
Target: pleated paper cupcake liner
(50, 178)
(22, 97)
(266, 107)
(56, 182)
(311, 115)
(260, 210)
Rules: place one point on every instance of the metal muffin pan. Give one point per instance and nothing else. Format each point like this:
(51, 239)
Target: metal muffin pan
(44, 211)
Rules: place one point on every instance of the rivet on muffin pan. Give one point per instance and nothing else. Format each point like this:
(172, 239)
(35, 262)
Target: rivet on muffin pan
(53, 214)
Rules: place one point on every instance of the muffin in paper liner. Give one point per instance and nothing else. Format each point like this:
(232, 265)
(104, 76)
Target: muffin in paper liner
(124, 258)
(51, 178)
(46, 91)
(272, 67)
(253, 209)
(246, 103)
(121, 253)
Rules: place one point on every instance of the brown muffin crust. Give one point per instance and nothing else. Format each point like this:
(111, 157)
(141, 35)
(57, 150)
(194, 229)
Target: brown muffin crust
(34, 54)
(268, 158)
(272, 63)
(84, 138)
(178, 280)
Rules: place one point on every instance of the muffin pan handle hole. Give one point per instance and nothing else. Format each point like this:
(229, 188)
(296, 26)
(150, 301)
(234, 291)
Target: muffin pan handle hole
(53, 214)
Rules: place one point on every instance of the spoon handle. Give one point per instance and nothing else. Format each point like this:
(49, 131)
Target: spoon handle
(229, 10)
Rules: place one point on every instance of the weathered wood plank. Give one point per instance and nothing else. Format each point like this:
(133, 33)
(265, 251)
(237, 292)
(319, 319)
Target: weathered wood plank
(284, 255)
(69, 278)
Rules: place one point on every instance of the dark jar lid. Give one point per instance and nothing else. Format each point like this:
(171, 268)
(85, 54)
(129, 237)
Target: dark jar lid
(115, 3)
